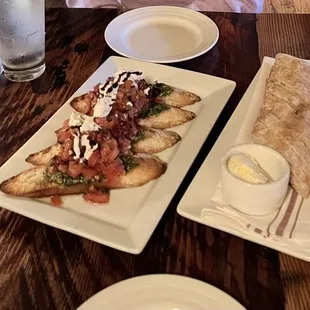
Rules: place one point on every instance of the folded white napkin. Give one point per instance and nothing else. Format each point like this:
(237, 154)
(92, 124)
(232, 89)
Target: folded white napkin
(285, 226)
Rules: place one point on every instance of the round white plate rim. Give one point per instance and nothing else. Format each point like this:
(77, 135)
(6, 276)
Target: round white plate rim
(112, 27)
(180, 281)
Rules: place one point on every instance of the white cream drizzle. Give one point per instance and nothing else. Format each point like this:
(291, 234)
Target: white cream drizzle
(89, 124)
(76, 119)
(76, 146)
(89, 150)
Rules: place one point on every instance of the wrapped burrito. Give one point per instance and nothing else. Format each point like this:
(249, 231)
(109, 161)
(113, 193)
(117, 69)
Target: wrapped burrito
(284, 120)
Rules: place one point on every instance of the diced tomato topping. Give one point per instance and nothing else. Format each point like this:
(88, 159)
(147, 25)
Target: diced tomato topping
(104, 123)
(62, 136)
(111, 170)
(68, 144)
(93, 159)
(108, 154)
(89, 173)
(128, 85)
(97, 196)
(74, 169)
(56, 201)
(65, 155)
(52, 169)
(114, 138)
(62, 168)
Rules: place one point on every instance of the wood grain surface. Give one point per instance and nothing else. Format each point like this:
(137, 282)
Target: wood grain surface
(286, 33)
(46, 268)
(287, 6)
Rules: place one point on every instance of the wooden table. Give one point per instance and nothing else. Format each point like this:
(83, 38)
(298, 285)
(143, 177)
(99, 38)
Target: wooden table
(46, 268)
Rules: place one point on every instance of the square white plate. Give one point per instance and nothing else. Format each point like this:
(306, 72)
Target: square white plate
(128, 221)
(237, 131)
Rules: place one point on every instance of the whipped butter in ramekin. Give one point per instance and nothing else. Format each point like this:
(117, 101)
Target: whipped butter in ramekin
(254, 179)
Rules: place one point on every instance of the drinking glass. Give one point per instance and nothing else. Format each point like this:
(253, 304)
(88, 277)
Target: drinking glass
(22, 39)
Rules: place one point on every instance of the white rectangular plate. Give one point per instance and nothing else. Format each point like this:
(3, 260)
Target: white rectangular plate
(237, 130)
(128, 221)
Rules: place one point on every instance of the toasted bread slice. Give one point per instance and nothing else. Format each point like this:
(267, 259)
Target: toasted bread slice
(149, 168)
(45, 156)
(154, 141)
(178, 98)
(33, 182)
(167, 118)
(80, 105)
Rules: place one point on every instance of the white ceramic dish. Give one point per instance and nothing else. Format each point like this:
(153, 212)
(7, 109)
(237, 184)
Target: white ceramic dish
(162, 34)
(161, 292)
(130, 218)
(238, 131)
(257, 199)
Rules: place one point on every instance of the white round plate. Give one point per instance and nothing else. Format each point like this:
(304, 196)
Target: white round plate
(161, 292)
(162, 34)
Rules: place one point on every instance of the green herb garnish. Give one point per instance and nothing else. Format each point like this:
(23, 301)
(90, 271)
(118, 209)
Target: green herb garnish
(161, 90)
(64, 179)
(153, 109)
(139, 136)
(129, 162)
(165, 90)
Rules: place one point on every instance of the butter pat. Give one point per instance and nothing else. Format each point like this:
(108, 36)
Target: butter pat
(246, 168)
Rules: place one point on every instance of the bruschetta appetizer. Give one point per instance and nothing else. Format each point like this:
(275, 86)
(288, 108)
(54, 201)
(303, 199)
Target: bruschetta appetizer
(43, 181)
(109, 141)
(128, 92)
(86, 159)
(151, 141)
(172, 96)
(160, 116)
(148, 141)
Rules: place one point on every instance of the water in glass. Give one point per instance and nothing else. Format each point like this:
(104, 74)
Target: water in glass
(22, 38)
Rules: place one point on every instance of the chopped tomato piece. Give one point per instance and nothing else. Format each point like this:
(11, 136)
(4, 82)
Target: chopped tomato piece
(89, 173)
(111, 170)
(68, 144)
(109, 150)
(56, 201)
(113, 154)
(97, 196)
(62, 136)
(65, 154)
(108, 154)
(74, 169)
(52, 169)
(104, 123)
(93, 159)
(62, 168)
(128, 85)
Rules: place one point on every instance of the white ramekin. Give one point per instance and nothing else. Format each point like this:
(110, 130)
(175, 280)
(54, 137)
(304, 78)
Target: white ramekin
(256, 199)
